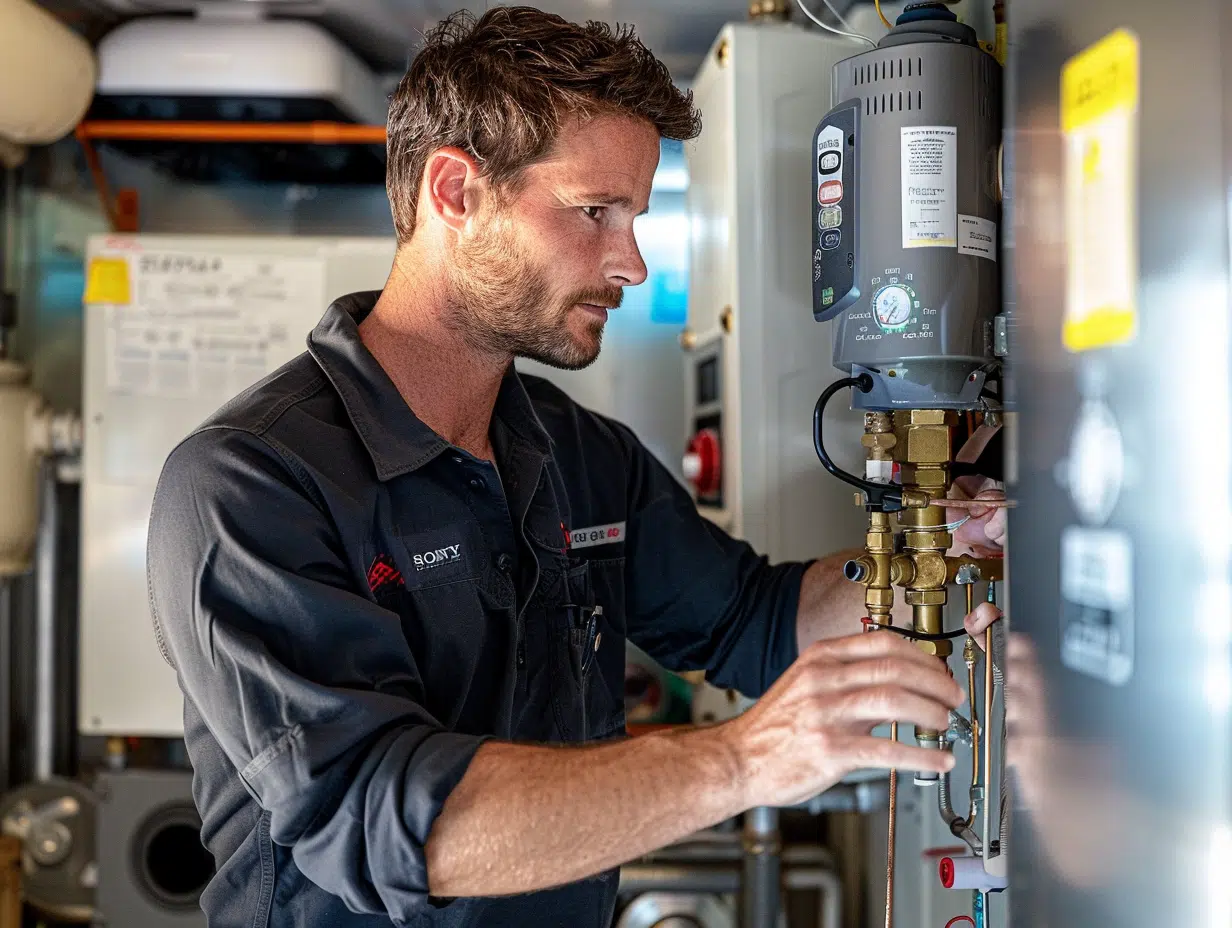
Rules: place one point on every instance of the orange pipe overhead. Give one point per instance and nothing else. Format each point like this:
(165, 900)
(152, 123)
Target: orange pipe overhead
(309, 133)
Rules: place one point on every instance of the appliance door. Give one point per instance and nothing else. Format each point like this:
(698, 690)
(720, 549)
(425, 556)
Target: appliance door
(1119, 548)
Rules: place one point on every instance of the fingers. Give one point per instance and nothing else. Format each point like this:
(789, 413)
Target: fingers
(867, 646)
(1021, 649)
(931, 681)
(880, 704)
(974, 446)
(979, 620)
(867, 752)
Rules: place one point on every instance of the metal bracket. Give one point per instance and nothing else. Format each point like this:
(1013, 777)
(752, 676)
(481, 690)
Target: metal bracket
(1000, 336)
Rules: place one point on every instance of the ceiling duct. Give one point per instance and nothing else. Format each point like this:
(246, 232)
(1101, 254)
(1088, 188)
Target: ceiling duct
(169, 88)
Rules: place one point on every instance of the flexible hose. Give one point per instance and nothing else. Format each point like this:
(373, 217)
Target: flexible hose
(883, 497)
(957, 825)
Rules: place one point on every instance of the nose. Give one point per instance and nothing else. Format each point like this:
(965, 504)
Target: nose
(626, 267)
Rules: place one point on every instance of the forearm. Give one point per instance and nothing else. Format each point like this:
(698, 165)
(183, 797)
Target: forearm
(831, 606)
(526, 818)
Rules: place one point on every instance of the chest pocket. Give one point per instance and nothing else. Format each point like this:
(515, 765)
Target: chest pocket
(457, 616)
(585, 604)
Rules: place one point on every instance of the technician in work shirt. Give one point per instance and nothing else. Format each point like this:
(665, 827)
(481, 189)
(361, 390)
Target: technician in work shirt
(353, 605)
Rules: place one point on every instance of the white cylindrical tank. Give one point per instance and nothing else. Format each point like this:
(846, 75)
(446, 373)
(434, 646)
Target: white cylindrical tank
(20, 406)
(47, 75)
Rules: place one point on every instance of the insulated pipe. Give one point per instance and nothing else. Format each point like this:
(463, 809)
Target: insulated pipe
(759, 900)
(45, 628)
(47, 75)
(19, 474)
(6, 684)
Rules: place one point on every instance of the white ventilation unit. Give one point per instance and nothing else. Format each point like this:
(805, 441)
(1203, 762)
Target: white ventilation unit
(233, 68)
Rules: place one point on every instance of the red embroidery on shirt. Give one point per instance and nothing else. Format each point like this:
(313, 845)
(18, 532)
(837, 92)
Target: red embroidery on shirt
(383, 572)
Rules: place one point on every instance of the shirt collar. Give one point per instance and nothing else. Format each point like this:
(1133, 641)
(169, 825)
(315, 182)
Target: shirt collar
(397, 440)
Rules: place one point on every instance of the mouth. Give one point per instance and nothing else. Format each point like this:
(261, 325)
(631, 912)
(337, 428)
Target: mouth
(594, 309)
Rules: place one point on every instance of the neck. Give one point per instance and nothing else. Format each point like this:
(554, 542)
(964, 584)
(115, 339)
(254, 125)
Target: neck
(448, 384)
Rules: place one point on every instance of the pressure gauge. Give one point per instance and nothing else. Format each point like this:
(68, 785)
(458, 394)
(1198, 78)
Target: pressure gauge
(892, 306)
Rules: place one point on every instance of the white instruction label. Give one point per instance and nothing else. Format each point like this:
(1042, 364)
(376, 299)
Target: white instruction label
(929, 170)
(1097, 603)
(977, 237)
(207, 325)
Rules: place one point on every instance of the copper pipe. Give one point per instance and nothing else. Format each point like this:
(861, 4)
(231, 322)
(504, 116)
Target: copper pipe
(974, 503)
(988, 691)
(307, 133)
(891, 838)
(975, 746)
(970, 658)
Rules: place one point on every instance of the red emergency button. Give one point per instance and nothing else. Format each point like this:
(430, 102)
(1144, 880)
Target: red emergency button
(703, 463)
(947, 872)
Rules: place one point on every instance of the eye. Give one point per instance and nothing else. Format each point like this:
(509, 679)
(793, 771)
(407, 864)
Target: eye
(594, 212)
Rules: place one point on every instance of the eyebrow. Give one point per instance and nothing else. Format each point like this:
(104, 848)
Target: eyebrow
(611, 199)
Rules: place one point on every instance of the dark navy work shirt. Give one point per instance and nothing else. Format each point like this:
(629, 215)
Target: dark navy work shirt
(353, 605)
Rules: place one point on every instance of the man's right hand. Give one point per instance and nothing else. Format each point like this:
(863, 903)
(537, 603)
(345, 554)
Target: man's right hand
(813, 726)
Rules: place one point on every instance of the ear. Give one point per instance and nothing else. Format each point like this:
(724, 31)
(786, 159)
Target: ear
(449, 187)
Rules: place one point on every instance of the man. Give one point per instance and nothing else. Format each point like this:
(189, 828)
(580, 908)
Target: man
(362, 568)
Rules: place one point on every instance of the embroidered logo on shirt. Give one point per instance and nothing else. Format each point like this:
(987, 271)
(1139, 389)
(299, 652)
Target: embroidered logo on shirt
(439, 557)
(382, 573)
(597, 535)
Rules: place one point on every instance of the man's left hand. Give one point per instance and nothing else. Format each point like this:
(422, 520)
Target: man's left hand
(983, 534)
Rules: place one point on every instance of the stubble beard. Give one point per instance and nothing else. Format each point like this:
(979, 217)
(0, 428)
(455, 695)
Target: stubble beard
(503, 305)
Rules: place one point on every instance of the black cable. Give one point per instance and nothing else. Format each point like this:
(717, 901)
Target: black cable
(917, 636)
(880, 497)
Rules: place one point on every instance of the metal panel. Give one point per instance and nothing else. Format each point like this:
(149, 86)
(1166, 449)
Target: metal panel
(1123, 814)
(763, 89)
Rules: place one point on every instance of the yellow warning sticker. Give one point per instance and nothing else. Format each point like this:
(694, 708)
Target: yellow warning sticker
(1099, 120)
(107, 281)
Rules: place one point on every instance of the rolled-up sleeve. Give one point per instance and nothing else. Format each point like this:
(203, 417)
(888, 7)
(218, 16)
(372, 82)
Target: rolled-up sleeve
(699, 599)
(308, 686)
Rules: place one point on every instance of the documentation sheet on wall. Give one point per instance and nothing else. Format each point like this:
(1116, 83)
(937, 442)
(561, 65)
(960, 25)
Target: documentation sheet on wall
(175, 326)
(206, 323)
(196, 329)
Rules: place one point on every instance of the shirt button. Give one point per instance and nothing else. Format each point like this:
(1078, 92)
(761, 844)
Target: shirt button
(504, 563)
(457, 459)
(476, 483)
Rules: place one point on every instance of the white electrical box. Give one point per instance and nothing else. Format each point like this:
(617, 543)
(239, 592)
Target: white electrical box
(757, 361)
(174, 327)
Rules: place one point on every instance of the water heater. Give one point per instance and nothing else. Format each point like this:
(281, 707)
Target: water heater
(906, 209)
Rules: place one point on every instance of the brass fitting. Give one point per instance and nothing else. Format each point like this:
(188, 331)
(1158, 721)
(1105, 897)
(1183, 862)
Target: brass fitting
(924, 447)
(970, 653)
(902, 570)
(930, 569)
(874, 567)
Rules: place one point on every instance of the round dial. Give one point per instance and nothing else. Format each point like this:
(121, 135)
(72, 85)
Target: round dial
(892, 306)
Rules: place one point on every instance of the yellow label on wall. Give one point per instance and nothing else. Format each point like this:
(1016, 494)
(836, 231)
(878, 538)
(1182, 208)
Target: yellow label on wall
(107, 281)
(1099, 120)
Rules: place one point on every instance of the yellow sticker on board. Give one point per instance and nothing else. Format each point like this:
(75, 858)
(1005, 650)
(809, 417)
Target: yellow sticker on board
(1099, 120)
(107, 281)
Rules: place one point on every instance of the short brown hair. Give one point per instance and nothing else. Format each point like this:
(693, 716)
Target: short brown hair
(499, 87)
